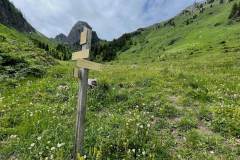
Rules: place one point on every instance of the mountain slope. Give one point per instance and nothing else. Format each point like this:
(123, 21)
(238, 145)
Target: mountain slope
(19, 57)
(12, 17)
(172, 93)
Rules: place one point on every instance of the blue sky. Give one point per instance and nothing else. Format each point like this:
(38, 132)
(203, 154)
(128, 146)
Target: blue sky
(110, 18)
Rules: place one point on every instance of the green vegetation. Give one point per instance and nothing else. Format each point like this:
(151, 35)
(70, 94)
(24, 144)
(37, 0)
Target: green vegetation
(107, 51)
(172, 94)
(56, 50)
(235, 13)
(19, 58)
(12, 17)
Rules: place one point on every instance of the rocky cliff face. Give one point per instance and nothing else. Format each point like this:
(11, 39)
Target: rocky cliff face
(74, 35)
(12, 17)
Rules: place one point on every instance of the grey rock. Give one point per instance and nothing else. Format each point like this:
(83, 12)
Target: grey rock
(73, 37)
(12, 17)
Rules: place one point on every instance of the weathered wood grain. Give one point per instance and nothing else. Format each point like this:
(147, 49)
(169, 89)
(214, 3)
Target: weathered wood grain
(83, 36)
(80, 55)
(82, 63)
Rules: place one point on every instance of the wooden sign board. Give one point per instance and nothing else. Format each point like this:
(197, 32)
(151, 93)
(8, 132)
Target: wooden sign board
(80, 55)
(84, 36)
(89, 65)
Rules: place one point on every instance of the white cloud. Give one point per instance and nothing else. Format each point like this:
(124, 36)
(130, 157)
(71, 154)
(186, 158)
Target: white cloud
(110, 18)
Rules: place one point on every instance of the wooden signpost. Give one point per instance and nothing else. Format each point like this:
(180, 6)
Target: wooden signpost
(81, 72)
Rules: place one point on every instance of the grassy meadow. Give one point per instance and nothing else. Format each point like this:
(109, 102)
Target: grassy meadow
(175, 94)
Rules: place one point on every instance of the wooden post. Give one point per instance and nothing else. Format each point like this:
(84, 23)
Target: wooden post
(85, 41)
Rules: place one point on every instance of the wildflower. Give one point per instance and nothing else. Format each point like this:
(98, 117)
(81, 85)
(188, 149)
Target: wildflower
(13, 136)
(141, 126)
(133, 150)
(51, 157)
(59, 145)
(148, 125)
(32, 145)
(53, 148)
(143, 153)
(48, 142)
(39, 138)
(31, 114)
(84, 156)
(212, 152)
(40, 153)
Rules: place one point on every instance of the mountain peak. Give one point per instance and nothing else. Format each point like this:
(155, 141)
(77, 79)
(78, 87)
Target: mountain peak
(61, 38)
(81, 24)
(73, 37)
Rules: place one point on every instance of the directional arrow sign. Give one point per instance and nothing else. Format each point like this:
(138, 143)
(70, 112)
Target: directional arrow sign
(83, 36)
(81, 63)
(80, 55)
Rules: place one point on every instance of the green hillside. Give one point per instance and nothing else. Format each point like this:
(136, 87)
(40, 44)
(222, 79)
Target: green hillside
(173, 93)
(20, 58)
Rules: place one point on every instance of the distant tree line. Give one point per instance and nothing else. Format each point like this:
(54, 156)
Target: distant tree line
(107, 51)
(61, 51)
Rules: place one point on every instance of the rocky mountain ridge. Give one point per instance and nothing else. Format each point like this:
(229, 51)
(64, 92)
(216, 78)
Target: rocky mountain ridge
(12, 17)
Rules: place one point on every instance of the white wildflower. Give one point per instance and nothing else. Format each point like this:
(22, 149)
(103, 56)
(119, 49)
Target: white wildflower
(53, 148)
(13, 136)
(59, 145)
(133, 150)
(32, 145)
(141, 126)
(39, 138)
(143, 153)
(148, 125)
(31, 114)
(84, 156)
(212, 152)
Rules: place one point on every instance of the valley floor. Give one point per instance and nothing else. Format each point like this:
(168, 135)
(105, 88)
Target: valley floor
(178, 109)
